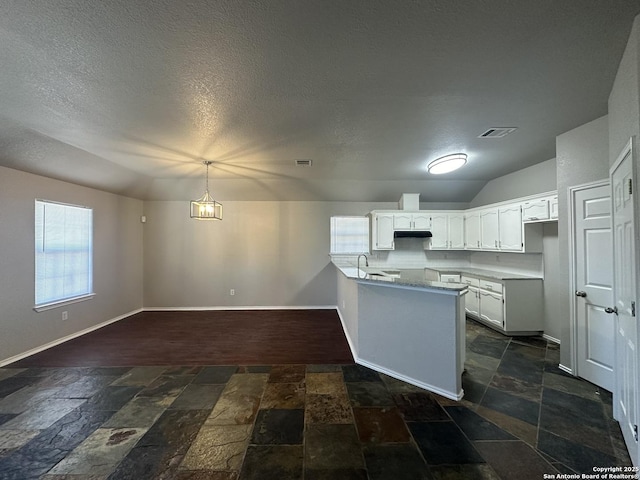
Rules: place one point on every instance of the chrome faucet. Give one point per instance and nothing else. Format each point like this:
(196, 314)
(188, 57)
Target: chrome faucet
(366, 260)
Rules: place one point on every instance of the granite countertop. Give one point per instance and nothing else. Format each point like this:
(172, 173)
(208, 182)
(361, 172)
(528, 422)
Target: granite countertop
(400, 277)
(480, 272)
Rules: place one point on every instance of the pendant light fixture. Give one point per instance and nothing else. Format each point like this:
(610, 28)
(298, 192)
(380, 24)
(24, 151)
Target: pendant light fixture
(206, 208)
(447, 164)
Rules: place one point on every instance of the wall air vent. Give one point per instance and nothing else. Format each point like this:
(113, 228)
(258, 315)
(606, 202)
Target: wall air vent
(304, 162)
(497, 132)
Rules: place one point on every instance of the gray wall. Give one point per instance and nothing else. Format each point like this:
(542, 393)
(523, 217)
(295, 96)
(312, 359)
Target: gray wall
(538, 178)
(624, 100)
(117, 261)
(582, 156)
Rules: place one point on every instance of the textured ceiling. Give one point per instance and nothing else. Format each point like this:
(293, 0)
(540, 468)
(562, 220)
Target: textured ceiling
(130, 96)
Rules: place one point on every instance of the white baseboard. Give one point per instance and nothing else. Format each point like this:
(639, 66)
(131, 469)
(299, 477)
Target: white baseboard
(551, 339)
(565, 369)
(46, 346)
(453, 396)
(352, 347)
(239, 307)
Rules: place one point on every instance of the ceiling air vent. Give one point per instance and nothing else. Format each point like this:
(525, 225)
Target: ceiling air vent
(303, 162)
(497, 132)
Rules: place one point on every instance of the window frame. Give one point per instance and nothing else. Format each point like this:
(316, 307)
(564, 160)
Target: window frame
(363, 218)
(39, 241)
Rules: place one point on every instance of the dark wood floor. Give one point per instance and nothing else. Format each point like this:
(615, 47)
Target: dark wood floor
(232, 337)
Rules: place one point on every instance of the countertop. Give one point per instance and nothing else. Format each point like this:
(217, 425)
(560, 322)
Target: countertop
(480, 272)
(400, 277)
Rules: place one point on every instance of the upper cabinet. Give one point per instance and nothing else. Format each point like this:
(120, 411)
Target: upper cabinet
(412, 221)
(382, 225)
(447, 229)
(506, 227)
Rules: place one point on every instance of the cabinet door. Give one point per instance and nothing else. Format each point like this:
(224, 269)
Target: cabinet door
(553, 207)
(439, 224)
(489, 235)
(472, 230)
(472, 302)
(383, 232)
(456, 231)
(535, 210)
(402, 221)
(421, 221)
(491, 308)
(510, 224)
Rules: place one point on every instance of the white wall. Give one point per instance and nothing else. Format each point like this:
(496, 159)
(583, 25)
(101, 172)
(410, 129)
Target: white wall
(582, 156)
(117, 261)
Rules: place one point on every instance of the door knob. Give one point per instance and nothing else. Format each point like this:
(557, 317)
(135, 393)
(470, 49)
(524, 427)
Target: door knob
(580, 293)
(611, 310)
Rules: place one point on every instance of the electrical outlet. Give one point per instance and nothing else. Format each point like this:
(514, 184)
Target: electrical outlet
(232, 291)
(65, 315)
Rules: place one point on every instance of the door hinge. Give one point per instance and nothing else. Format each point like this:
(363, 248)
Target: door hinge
(631, 186)
(635, 432)
(633, 309)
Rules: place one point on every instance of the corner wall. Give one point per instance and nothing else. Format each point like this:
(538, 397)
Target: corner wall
(117, 261)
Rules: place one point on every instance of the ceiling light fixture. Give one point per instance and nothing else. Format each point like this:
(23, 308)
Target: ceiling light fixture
(447, 164)
(206, 208)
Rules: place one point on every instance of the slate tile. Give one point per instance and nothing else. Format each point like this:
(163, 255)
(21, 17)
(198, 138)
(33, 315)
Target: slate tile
(254, 369)
(489, 346)
(170, 386)
(278, 427)
(501, 455)
(508, 404)
(218, 447)
(380, 425)
(572, 385)
(140, 412)
(324, 368)
(5, 417)
(273, 462)
(8, 372)
(85, 387)
(328, 409)
(15, 383)
(369, 394)
(395, 462)
(518, 428)
(239, 401)
(215, 375)
(12, 439)
(336, 474)
(175, 428)
(331, 383)
(182, 370)
(26, 398)
(419, 407)
(518, 387)
(329, 447)
(475, 427)
(464, 472)
(148, 462)
(398, 386)
(283, 395)
(473, 391)
(138, 377)
(111, 398)
(443, 443)
(287, 373)
(578, 457)
(197, 397)
(43, 415)
(358, 373)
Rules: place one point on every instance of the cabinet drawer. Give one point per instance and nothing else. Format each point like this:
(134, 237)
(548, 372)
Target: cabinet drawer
(473, 282)
(491, 286)
(449, 278)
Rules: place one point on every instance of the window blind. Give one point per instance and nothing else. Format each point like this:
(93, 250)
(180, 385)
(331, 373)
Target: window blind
(63, 252)
(349, 235)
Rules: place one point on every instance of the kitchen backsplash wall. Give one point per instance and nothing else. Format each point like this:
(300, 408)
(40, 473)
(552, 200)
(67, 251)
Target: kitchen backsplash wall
(410, 253)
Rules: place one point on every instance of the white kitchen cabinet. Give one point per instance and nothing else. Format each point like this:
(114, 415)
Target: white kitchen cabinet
(491, 308)
(450, 277)
(535, 210)
(510, 228)
(489, 229)
(472, 230)
(447, 229)
(382, 231)
(412, 221)
(511, 306)
(553, 207)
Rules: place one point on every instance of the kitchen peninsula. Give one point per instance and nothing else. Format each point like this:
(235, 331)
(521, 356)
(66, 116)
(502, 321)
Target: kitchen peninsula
(400, 323)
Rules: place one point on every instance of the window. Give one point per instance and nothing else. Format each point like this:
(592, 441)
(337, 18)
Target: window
(63, 254)
(349, 235)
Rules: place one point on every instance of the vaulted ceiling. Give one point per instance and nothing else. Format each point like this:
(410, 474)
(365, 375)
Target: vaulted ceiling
(130, 96)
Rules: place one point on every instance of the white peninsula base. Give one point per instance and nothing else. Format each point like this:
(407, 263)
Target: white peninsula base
(412, 331)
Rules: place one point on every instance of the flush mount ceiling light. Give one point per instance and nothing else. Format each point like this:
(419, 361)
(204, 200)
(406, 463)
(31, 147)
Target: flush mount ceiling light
(447, 164)
(206, 208)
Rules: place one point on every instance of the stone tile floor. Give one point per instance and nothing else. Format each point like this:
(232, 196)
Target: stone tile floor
(521, 417)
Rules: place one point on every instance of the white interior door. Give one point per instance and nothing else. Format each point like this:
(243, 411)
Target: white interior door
(593, 262)
(625, 394)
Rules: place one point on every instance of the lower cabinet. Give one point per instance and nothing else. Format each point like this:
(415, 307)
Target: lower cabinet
(511, 306)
